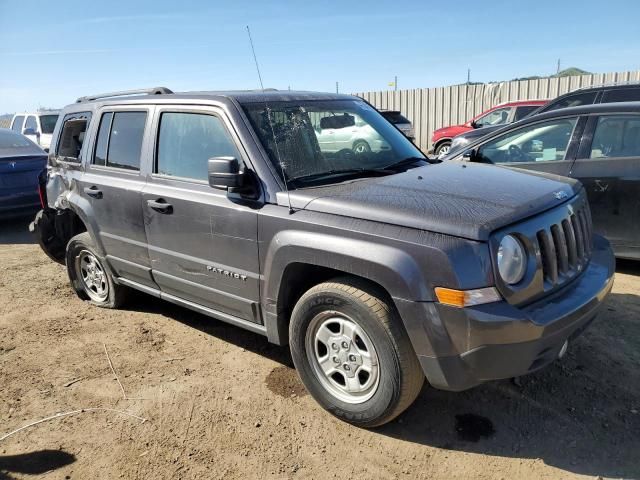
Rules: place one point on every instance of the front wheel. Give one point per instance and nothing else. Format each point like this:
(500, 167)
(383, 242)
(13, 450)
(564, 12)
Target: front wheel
(443, 148)
(353, 354)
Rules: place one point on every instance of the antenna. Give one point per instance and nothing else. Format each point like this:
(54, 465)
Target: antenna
(273, 133)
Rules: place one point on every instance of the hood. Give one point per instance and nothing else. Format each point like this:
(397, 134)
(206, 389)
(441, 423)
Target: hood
(454, 198)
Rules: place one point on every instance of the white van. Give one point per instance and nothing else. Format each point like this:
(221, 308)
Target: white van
(37, 127)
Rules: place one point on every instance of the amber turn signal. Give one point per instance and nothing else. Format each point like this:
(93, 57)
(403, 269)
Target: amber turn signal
(466, 298)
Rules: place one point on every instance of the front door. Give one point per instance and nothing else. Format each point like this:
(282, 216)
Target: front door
(548, 146)
(609, 167)
(202, 241)
(112, 185)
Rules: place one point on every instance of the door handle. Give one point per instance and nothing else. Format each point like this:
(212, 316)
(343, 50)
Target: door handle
(160, 206)
(93, 192)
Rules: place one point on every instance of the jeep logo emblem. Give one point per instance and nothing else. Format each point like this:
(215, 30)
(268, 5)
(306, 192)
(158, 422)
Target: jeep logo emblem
(560, 194)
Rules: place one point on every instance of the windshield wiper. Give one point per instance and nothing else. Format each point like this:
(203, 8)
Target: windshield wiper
(408, 161)
(346, 171)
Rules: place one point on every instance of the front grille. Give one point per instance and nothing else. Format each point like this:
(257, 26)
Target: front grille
(565, 246)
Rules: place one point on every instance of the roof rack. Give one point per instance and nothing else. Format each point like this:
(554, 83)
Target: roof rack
(148, 91)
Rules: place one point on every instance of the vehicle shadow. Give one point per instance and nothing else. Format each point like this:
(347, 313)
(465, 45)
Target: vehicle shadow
(630, 267)
(15, 230)
(580, 414)
(34, 463)
(229, 333)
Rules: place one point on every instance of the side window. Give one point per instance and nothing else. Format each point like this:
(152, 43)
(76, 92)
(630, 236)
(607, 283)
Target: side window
(621, 95)
(575, 100)
(71, 137)
(17, 124)
(616, 136)
(540, 142)
(119, 140)
(523, 111)
(186, 141)
(31, 123)
(497, 117)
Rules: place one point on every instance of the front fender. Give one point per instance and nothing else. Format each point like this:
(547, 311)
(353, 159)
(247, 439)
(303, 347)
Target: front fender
(392, 268)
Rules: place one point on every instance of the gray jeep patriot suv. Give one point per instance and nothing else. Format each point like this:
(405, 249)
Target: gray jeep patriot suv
(310, 219)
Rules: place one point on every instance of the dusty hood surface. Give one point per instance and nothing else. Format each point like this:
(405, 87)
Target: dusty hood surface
(462, 199)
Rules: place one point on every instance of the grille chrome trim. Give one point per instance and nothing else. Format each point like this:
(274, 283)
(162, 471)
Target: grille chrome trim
(565, 247)
(559, 246)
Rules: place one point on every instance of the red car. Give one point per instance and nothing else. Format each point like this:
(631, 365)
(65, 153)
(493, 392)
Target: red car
(498, 115)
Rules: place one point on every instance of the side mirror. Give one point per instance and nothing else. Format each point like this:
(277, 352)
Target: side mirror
(224, 173)
(470, 155)
(473, 124)
(29, 131)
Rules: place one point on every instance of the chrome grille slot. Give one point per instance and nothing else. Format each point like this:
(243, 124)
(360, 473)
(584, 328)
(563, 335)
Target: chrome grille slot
(575, 222)
(562, 255)
(565, 246)
(572, 248)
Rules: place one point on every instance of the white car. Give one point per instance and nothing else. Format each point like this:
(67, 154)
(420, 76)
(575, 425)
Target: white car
(356, 135)
(37, 127)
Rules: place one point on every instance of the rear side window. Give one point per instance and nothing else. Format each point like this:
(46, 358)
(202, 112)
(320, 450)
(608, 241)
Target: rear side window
(48, 123)
(395, 117)
(621, 95)
(575, 100)
(523, 111)
(72, 135)
(120, 138)
(186, 141)
(17, 124)
(616, 136)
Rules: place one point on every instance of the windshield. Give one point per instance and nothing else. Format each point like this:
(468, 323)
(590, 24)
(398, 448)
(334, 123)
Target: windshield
(9, 139)
(332, 137)
(48, 123)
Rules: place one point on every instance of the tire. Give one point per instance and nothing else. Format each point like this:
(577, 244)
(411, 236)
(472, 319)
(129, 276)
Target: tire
(348, 310)
(89, 277)
(443, 148)
(361, 146)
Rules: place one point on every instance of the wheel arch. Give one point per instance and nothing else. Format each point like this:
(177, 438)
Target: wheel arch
(298, 261)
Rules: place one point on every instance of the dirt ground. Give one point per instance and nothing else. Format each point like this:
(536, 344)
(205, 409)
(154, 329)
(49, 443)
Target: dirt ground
(220, 402)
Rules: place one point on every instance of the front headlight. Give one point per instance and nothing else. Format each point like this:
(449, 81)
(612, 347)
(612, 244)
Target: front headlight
(512, 260)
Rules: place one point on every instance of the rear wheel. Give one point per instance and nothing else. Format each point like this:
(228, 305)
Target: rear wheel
(443, 148)
(353, 354)
(361, 146)
(89, 276)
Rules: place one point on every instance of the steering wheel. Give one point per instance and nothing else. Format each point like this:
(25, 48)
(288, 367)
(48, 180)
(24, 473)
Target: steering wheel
(516, 154)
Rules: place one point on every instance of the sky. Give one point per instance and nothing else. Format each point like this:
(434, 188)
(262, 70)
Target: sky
(52, 52)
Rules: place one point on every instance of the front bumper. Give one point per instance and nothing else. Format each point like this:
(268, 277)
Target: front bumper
(497, 340)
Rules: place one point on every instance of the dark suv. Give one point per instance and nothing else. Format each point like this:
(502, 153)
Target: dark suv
(376, 267)
(596, 144)
(614, 93)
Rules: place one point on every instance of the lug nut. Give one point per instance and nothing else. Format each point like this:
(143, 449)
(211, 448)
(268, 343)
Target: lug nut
(352, 358)
(345, 345)
(336, 360)
(334, 346)
(346, 366)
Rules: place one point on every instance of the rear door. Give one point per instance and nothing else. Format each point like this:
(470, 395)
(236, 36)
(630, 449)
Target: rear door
(608, 165)
(202, 241)
(112, 185)
(548, 146)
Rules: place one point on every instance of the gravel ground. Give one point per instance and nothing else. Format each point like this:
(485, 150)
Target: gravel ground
(219, 402)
